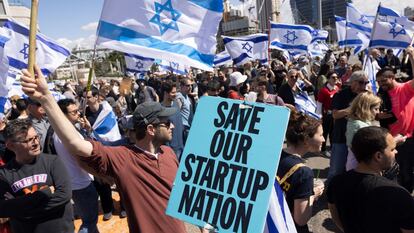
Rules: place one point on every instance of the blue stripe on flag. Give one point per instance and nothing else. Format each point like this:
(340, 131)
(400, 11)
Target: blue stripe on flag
(139, 57)
(254, 40)
(117, 33)
(349, 42)
(21, 65)
(285, 46)
(212, 5)
(339, 18)
(240, 58)
(294, 27)
(24, 31)
(3, 41)
(135, 71)
(3, 101)
(270, 224)
(222, 60)
(107, 124)
(359, 27)
(389, 43)
(387, 11)
(280, 199)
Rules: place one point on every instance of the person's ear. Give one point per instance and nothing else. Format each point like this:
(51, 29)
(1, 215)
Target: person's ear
(378, 156)
(151, 129)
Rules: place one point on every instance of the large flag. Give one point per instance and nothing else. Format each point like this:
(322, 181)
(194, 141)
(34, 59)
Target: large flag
(4, 106)
(290, 37)
(4, 65)
(319, 35)
(371, 68)
(222, 58)
(247, 48)
(49, 54)
(318, 48)
(137, 64)
(357, 20)
(391, 30)
(279, 219)
(349, 36)
(182, 31)
(105, 128)
(305, 104)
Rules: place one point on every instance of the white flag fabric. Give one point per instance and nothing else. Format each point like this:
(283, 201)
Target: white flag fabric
(305, 104)
(319, 35)
(290, 37)
(247, 48)
(182, 31)
(349, 36)
(4, 65)
(49, 54)
(105, 128)
(222, 58)
(318, 48)
(357, 20)
(279, 219)
(172, 67)
(391, 30)
(137, 64)
(371, 69)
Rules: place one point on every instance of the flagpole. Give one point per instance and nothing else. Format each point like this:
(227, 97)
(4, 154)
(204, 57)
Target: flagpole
(406, 55)
(372, 35)
(269, 26)
(32, 36)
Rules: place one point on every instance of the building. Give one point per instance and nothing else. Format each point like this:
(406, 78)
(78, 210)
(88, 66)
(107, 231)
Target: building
(409, 12)
(16, 9)
(235, 24)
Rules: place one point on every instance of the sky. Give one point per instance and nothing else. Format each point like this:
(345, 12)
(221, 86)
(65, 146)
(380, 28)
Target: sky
(74, 22)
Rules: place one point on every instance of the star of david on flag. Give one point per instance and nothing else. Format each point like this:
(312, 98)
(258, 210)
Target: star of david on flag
(178, 30)
(160, 17)
(137, 64)
(392, 31)
(247, 48)
(290, 37)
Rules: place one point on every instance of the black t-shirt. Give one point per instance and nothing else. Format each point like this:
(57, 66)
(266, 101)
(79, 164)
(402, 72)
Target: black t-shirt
(286, 93)
(92, 116)
(299, 185)
(341, 100)
(368, 203)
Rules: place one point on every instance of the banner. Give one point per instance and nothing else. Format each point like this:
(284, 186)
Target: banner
(229, 165)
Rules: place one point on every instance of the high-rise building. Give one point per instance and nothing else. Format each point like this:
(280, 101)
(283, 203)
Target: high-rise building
(16, 9)
(409, 12)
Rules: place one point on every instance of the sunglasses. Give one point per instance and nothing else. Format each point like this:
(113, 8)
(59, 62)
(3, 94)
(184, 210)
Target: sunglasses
(167, 124)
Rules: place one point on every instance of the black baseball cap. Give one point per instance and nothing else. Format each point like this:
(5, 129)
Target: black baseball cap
(150, 112)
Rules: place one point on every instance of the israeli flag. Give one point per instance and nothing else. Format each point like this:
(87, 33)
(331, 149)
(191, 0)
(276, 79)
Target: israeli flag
(319, 35)
(5, 106)
(290, 37)
(350, 37)
(183, 31)
(15, 88)
(305, 104)
(247, 48)
(222, 58)
(105, 128)
(137, 64)
(391, 30)
(318, 48)
(4, 65)
(172, 67)
(357, 20)
(49, 54)
(279, 219)
(371, 69)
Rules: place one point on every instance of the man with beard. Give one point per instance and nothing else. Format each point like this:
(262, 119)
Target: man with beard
(144, 172)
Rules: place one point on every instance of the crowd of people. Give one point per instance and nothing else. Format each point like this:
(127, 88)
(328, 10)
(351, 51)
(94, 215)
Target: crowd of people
(132, 132)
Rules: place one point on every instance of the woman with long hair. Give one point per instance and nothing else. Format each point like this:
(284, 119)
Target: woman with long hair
(363, 110)
(304, 134)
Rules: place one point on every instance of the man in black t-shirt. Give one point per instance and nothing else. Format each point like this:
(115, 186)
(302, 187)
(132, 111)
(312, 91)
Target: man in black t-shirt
(361, 200)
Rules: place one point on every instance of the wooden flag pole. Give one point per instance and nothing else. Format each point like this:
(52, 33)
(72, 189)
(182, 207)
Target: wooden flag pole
(32, 36)
(406, 55)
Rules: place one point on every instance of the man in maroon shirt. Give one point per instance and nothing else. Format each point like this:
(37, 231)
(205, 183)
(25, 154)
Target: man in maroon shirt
(144, 172)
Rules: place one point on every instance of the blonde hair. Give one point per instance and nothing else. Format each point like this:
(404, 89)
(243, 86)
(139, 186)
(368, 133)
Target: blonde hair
(361, 106)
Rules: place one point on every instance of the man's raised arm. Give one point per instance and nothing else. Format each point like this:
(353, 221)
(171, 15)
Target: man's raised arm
(37, 89)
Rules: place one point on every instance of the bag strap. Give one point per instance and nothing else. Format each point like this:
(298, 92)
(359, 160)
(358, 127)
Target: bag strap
(291, 171)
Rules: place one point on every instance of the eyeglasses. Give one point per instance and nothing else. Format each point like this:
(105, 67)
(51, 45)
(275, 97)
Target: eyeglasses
(166, 124)
(30, 140)
(362, 82)
(74, 112)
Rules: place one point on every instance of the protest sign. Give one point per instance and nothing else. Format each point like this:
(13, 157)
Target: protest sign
(229, 165)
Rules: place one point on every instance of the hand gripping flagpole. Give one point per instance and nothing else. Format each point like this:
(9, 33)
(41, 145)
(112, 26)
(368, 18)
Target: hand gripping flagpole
(372, 35)
(32, 36)
(406, 55)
